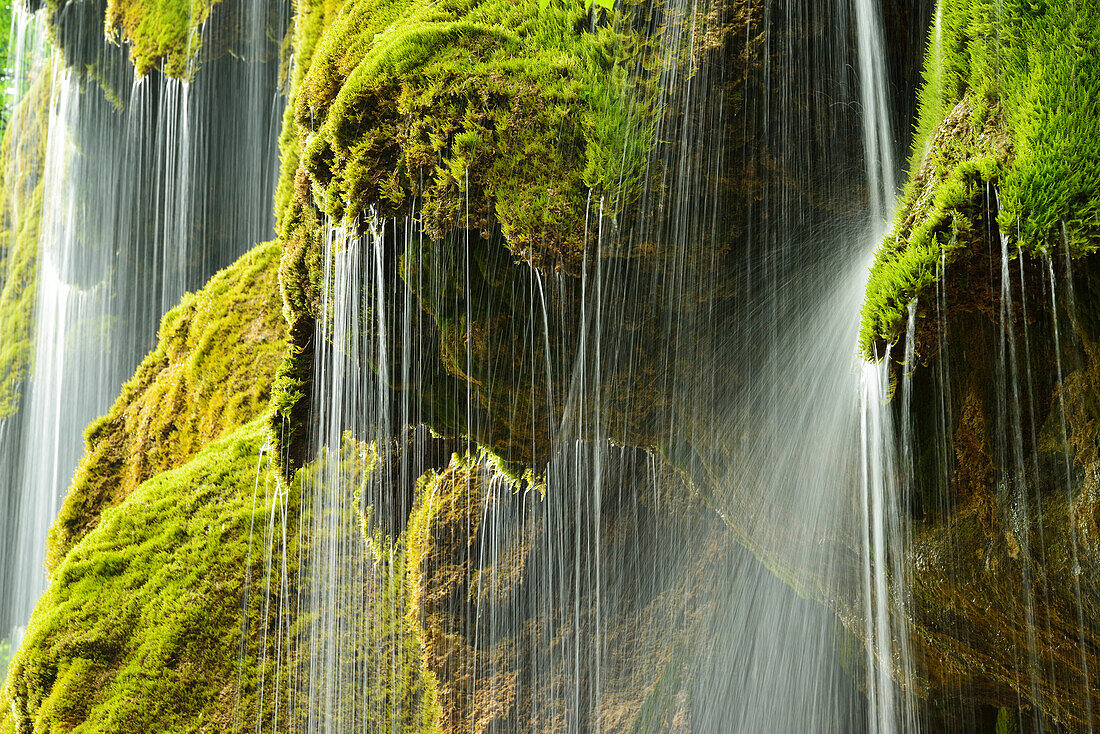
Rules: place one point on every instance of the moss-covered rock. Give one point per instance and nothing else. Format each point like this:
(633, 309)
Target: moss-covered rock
(466, 112)
(479, 119)
(141, 628)
(22, 156)
(993, 239)
(211, 372)
(1004, 558)
(178, 36)
(507, 631)
(164, 31)
(1009, 101)
(484, 118)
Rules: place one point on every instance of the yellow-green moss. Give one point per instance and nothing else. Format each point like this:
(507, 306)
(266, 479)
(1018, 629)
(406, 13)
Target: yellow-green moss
(141, 626)
(211, 372)
(1031, 70)
(936, 220)
(22, 156)
(167, 31)
(464, 113)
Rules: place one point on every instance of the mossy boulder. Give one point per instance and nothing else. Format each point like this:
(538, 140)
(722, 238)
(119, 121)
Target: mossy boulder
(484, 122)
(211, 372)
(492, 598)
(141, 628)
(465, 114)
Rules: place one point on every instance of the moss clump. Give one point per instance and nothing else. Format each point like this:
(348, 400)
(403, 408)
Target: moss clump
(211, 372)
(1031, 71)
(21, 166)
(141, 627)
(467, 114)
(938, 218)
(167, 31)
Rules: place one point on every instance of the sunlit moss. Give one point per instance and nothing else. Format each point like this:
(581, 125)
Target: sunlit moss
(936, 220)
(166, 31)
(141, 627)
(1031, 71)
(211, 372)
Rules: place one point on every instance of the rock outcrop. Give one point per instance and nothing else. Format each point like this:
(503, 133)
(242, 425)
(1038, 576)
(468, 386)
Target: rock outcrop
(994, 242)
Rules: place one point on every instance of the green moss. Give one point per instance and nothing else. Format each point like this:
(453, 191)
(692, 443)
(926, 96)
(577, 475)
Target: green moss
(211, 372)
(172, 36)
(141, 627)
(1027, 77)
(467, 114)
(159, 31)
(155, 619)
(937, 219)
(22, 156)
(1007, 721)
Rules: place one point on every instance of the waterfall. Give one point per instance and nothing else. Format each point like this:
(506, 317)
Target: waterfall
(143, 198)
(884, 486)
(635, 491)
(878, 140)
(550, 648)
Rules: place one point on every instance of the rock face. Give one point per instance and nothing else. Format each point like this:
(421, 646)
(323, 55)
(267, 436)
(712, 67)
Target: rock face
(1003, 560)
(993, 242)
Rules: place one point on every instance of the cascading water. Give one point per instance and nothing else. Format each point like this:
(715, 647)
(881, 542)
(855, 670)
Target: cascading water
(549, 648)
(662, 485)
